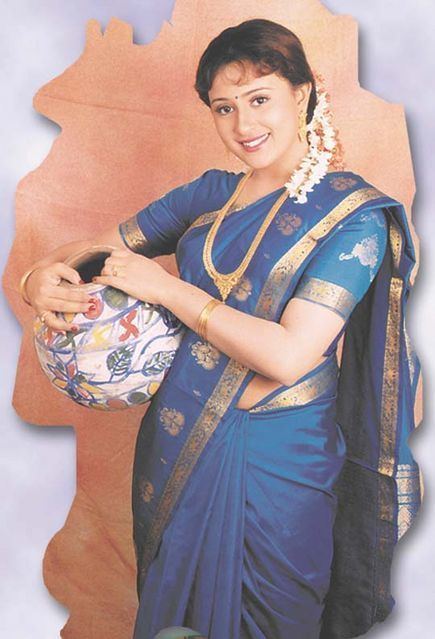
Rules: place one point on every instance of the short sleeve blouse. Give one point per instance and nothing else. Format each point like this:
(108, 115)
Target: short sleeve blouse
(156, 229)
(341, 272)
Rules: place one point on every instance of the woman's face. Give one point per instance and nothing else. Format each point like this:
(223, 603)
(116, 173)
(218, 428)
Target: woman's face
(257, 118)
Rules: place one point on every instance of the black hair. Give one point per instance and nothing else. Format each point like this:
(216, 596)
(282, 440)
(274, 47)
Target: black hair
(268, 46)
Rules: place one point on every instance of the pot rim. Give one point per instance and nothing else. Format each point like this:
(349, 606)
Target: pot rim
(73, 260)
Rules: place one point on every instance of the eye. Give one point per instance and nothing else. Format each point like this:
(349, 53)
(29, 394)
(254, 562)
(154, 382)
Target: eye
(260, 99)
(224, 109)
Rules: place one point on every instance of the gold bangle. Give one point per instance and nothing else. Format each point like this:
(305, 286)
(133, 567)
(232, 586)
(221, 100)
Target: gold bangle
(23, 282)
(201, 328)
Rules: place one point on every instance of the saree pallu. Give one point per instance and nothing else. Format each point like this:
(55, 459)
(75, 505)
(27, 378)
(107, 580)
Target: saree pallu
(380, 488)
(280, 520)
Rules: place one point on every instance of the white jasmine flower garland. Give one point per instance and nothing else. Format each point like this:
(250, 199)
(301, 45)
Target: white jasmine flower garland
(323, 145)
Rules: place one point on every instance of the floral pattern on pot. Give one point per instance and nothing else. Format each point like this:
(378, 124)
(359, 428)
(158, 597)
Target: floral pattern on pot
(118, 357)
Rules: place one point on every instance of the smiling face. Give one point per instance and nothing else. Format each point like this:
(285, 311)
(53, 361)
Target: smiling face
(257, 118)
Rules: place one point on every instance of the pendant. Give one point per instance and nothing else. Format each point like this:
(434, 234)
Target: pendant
(225, 286)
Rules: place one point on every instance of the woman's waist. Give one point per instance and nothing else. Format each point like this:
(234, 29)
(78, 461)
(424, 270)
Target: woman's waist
(198, 372)
(319, 383)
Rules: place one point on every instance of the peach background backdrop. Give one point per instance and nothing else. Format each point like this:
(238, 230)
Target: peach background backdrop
(93, 176)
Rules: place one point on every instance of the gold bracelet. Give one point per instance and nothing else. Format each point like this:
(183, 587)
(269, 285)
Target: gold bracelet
(23, 282)
(201, 328)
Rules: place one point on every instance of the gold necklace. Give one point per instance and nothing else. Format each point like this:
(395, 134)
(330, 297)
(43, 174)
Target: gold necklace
(226, 281)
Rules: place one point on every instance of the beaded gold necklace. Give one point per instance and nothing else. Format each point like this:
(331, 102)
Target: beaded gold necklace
(226, 281)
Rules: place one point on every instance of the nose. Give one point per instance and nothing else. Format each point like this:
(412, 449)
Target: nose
(244, 122)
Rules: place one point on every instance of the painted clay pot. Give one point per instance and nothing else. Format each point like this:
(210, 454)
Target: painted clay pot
(122, 350)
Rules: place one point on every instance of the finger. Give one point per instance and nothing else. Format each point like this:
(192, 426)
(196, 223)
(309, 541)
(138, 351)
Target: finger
(69, 294)
(50, 296)
(66, 306)
(108, 265)
(113, 263)
(120, 252)
(106, 271)
(121, 256)
(66, 273)
(109, 280)
(113, 270)
(56, 323)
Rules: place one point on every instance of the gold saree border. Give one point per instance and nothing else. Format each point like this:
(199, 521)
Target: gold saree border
(132, 235)
(234, 373)
(202, 430)
(409, 490)
(409, 354)
(319, 291)
(390, 379)
(304, 392)
(408, 477)
(388, 431)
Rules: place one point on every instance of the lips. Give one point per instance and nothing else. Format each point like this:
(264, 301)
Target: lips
(254, 143)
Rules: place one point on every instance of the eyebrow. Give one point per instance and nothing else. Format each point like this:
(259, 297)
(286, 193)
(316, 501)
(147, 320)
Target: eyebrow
(243, 94)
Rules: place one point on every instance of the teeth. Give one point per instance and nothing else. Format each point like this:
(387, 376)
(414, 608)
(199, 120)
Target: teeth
(255, 142)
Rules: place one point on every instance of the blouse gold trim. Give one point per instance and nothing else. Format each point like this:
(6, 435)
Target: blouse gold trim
(132, 235)
(334, 296)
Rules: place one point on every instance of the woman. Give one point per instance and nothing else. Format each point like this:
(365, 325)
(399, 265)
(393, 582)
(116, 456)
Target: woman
(255, 442)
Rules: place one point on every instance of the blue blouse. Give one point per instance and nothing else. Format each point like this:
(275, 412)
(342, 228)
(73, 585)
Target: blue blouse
(338, 275)
(343, 269)
(341, 272)
(156, 229)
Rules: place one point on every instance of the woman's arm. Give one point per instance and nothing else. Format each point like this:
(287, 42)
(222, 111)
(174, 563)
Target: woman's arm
(283, 352)
(334, 282)
(152, 231)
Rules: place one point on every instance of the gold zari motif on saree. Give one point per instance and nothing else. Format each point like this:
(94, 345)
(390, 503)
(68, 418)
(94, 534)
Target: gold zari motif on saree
(172, 420)
(242, 290)
(205, 354)
(146, 490)
(287, 222)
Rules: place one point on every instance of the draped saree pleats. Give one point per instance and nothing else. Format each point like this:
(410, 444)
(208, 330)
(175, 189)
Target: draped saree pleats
(240, 563)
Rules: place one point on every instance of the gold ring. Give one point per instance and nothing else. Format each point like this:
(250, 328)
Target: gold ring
(42, 316)
(114, 271)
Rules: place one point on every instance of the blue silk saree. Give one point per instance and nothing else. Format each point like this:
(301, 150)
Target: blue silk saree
(279, 520)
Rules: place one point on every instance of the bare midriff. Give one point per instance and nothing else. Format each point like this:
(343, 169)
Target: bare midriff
(259, 387)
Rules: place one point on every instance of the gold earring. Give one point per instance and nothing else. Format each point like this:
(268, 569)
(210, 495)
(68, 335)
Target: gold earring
(302, 126)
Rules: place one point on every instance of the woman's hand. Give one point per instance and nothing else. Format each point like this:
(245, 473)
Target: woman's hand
(136, 275)
(47, 297)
